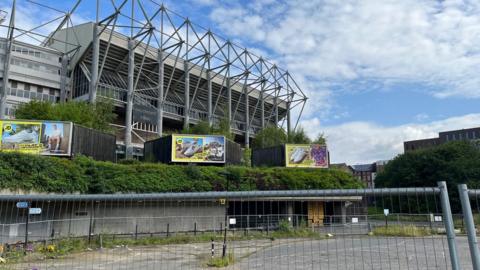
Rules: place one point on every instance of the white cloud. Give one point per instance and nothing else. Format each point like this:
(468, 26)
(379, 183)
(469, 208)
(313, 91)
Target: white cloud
(362, 142)
(432, 43)
(29, 16)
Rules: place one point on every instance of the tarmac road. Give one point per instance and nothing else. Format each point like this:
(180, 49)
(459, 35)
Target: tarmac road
(349, 252)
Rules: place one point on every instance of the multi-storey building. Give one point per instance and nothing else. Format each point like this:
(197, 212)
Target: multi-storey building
(34, 74)
(469, 134)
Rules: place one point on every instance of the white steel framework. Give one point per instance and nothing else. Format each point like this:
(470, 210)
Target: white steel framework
(160, 68)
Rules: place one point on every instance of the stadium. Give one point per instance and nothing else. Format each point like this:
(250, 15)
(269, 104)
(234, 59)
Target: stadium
(162, 72)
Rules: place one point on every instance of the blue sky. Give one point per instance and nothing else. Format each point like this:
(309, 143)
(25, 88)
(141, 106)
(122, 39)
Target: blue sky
(376, 72)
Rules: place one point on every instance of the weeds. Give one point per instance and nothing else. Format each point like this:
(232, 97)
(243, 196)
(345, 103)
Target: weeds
(220, 262)
(403, 231)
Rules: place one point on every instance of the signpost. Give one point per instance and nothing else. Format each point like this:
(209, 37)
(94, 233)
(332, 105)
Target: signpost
(35, 211)
(25, 205)
(386, 212)
(30, 211)
(22, 204)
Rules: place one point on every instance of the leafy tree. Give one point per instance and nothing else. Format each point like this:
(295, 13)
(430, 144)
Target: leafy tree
(34, 110)
(97, 116)
(454, 162)
(320, 139)
(224, 129)
(269, 136)
(204, 128)
(298, 136)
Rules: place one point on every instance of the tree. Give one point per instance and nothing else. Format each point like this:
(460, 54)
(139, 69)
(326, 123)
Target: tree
(454, 162)
(97, 116)
(224, 129)
(204, 128)
(298, 136)
(320, 139)
(201, 128)
(269, 136)
(34, 110)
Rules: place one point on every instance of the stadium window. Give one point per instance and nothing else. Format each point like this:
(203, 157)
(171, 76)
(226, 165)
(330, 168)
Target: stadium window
(26, 86)
(51, 92)
(13, 84)
(39, 89)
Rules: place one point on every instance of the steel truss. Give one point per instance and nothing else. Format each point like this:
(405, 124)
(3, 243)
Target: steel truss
(14, 33)
(172, 67)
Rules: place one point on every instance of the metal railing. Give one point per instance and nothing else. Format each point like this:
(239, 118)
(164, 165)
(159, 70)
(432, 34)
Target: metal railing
(396, 228)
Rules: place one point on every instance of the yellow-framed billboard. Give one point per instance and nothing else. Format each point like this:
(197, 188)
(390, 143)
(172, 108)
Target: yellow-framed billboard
(49, 138)
(198, 148)
(306, 155)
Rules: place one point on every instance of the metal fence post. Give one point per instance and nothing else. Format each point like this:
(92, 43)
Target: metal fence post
(469, 226)
(449, 228)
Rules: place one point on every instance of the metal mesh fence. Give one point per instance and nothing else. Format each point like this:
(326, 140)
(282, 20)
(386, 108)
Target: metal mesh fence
(340, 229)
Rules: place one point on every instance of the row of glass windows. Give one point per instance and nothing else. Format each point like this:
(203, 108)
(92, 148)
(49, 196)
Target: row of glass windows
(27, 86)
(35, 66)
(463, 135)
(31, 52)
(31, 95)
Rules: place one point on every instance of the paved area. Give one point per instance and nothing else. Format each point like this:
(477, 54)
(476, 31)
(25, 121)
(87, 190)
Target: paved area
(349, 252)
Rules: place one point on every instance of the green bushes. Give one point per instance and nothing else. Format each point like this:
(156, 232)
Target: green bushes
(97, 116)
(84, 175)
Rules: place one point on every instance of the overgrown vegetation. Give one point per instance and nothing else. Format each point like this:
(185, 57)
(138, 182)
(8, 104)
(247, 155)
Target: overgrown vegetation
(402, 231)
(286, 230)
(273, 136)
(204, 128)
(453, 162)
(97, 116)
(84, 175)
(220, 262)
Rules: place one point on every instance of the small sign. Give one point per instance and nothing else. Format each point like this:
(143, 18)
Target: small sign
(35, 211)
(22, 204)
(222, 201)
(232, 221)
(386, 212)
(437, 218)
(354, 219)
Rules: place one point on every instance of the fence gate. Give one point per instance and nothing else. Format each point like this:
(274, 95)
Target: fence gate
(407, 228)
(470, 204)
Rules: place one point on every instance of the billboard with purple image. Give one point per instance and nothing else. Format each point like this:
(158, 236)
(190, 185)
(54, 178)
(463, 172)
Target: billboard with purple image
(306, 155)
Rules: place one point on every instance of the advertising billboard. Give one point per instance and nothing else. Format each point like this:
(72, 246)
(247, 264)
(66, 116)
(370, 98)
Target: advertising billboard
(198, 148)
(50, 138)
(306, 155)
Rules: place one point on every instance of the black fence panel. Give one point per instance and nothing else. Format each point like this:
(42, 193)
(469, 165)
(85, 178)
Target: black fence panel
(271, 156)
(93, 143)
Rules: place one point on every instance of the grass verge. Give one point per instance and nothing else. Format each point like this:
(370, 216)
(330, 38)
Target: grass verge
(403, 231)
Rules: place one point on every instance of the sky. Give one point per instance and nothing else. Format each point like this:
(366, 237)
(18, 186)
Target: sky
(377, 72)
